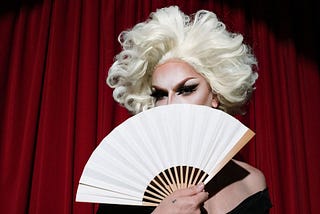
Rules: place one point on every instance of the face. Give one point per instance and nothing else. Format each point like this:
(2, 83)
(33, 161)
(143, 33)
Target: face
(177, 82)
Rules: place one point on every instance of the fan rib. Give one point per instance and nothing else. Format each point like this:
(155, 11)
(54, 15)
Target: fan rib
(191, 177)
(203, 177)
(152, 199)
(186, 177)
(150, 204)
(167, 184)
(157, 190)
(173, 182)
(196, 178)
(181, 176)
(164, 191)
(154, 194)
(177, 177)
(163, 184)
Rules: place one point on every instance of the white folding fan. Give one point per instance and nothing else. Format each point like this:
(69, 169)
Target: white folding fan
(155, 152)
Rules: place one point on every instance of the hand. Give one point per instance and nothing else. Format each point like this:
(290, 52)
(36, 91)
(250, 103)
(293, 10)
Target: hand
(183, 201)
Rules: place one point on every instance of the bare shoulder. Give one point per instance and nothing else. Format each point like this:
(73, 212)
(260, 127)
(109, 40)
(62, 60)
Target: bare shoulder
(255, 180)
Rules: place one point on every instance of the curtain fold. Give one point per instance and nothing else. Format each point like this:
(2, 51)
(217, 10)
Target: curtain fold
(55, 107)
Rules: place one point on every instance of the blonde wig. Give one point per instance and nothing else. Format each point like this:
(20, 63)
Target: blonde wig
(200, 40)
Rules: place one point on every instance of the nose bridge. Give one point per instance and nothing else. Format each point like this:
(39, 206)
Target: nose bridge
(171, 98)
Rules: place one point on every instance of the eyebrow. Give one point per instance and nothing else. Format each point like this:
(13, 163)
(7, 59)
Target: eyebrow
(177, 86)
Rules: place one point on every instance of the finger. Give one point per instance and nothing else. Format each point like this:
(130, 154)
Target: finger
(189, 191)
(200, 198)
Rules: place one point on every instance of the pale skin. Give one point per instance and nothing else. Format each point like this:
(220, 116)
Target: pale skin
(177, 82)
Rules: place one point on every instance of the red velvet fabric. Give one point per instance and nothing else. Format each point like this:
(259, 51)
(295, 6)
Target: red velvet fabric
(55, 107)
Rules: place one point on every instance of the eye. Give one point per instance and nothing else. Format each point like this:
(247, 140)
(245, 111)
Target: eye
(159, 94)
(187, 89)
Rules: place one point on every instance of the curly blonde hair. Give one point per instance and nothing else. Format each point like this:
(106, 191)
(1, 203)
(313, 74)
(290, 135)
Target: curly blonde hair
(200, 40)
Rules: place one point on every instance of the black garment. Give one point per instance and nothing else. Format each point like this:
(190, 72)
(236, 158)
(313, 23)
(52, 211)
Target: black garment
(258, 203)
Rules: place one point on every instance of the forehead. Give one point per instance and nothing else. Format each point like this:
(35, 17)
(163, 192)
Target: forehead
(174, 69)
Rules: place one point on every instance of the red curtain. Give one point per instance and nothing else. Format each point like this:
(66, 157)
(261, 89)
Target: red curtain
(55, 106)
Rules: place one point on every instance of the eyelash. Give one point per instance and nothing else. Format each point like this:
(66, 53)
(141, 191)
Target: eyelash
(187, 89)
(183, 90)
(158, 94)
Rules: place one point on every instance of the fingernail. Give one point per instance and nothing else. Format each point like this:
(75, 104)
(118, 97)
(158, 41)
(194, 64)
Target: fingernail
(200, 186)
